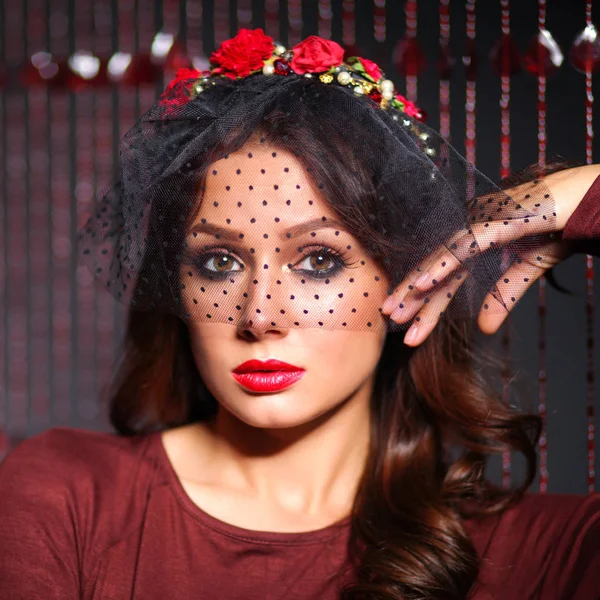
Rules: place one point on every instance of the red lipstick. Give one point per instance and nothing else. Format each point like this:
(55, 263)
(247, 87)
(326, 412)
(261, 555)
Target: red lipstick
(267, 375)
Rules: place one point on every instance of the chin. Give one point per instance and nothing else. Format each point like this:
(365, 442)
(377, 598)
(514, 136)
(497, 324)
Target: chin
(274, 411)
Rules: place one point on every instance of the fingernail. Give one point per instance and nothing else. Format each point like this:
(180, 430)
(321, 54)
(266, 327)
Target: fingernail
(411, 334)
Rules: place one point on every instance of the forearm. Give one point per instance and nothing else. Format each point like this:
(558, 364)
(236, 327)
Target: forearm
(568, 188)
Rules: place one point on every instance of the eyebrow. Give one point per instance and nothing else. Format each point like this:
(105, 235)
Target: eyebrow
(292, 232)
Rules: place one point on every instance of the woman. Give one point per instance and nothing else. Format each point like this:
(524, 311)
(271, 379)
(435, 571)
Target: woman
(278, 233)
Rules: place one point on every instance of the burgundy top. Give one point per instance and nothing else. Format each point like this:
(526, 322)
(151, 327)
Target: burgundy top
(97, 516)
(103, 517)
(582, 229)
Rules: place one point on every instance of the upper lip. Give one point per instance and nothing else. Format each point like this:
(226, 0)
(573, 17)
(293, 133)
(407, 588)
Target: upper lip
(265, 365)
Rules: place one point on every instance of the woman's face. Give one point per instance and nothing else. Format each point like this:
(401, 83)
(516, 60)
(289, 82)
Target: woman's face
(258, 289)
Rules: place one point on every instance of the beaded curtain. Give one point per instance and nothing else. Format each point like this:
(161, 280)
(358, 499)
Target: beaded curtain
(508, 84)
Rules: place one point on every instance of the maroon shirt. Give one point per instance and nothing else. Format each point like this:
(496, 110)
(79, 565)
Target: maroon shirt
(582, 229)
(102, 517)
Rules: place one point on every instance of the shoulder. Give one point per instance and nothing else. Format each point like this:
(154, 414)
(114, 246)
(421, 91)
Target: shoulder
(547, 519)
(63, 466)
(79, 491)
(557, 510)
(555, 537)
(550, 512)
(66, 454)
(560, 523)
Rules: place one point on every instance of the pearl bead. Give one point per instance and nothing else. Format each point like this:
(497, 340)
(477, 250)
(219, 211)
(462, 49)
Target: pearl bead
(387, 94)
(268, 70)
(359, 90)
(387, 84)
(279, 50)
(308, 75)
(198, 89)
(344, 78)
(424, 136)
(406, 122)
(430, 151)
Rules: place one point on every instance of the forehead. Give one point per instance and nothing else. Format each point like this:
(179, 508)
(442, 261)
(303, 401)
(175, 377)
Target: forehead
(260, 183)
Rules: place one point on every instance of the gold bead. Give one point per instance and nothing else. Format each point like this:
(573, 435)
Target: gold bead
(325, 78)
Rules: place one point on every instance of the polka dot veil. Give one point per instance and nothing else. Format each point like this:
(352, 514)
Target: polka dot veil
(285, 202)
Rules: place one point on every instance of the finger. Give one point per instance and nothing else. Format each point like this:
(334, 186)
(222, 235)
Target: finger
(420, 278)
(437, 269)
(427, 309)
(517, 279)
(415, 301)
(432, 311)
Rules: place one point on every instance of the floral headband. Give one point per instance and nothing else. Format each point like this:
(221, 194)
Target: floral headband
(252, 51)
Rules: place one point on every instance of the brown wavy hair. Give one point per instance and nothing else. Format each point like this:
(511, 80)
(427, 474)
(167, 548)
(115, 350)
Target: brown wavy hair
(437, 419)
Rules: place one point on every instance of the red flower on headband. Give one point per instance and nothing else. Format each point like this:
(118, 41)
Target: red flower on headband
(173, 98)
(242, 54)
(315, 54)
(371, 69)
(410, 108)
(182, 75)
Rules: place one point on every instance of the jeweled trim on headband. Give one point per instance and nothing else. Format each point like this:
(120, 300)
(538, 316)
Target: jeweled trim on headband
(251, 52)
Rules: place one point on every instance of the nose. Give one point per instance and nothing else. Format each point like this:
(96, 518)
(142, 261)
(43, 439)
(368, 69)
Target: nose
(253, 330)
(259, 315)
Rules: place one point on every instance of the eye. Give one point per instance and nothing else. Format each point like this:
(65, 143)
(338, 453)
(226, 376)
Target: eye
(322, 262)
(317, 261)
(218, 263)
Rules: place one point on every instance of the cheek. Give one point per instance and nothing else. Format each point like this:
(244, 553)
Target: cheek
(349, 356)
(209, 342)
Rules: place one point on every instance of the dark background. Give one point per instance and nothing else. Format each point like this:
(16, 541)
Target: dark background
(60, 334)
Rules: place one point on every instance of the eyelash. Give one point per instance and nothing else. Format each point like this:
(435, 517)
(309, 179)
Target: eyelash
(335, 254)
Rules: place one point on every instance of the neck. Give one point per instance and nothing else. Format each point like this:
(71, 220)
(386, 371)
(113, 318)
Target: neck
(311, 469)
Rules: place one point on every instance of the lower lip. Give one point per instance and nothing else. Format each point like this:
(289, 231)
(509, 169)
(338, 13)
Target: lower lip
(268, 381)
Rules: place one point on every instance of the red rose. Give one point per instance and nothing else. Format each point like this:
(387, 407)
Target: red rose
(371, 68)
(410, 108)
(316, 54)
(182, 75)
(174, 98)
(242, 54)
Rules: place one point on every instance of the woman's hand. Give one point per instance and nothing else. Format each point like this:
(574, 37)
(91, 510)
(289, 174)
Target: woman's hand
(442, 274)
